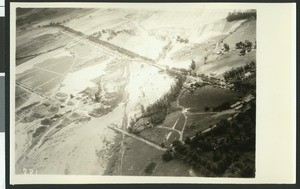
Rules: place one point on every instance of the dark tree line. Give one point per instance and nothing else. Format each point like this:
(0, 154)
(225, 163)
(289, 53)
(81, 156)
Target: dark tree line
(244, 87)
(238, 73)
(241, 15)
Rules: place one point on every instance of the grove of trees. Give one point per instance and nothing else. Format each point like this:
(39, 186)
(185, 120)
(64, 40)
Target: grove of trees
(244, 47)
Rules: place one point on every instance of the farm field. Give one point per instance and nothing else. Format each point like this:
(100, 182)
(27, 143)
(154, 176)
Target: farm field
(33, 45)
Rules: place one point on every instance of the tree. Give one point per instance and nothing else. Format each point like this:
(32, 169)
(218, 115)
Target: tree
(176, 143)
(149, 169)
(226, 47)
(242, 52)
(142, 109)
(217, 156)
(46, 121)
(97, 96)
(130, 129)
(247, 172)
(167, 156)
(188, 140)
(239, 45)
(248, 44)
(193, 65)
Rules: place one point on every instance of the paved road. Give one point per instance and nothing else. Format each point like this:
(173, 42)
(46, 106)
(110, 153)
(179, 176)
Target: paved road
(138, 138)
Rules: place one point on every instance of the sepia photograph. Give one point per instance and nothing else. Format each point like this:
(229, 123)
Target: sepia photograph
(135, 92)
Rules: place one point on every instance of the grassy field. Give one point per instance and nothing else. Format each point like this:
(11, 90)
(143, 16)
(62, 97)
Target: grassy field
(207, 96)
(197, 123)
(137, 156)
(156, 135)
(171, 119)
(200, 122)
(171, 168)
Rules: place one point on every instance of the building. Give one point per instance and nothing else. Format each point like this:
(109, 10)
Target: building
(236, 104)
(247, 74)
(239, 107)
(248, 98)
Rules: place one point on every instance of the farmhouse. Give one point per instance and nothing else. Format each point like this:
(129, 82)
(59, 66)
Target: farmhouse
(236, 104)
(238, 107)
(247, 74)
(248, 98)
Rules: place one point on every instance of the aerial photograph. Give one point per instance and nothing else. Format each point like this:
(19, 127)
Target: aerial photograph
(135, 92)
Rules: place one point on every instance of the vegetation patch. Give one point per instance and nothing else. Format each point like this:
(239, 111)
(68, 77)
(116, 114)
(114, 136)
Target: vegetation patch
(47, 121)
(149, 169)
(38, 131)
(137, 160)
